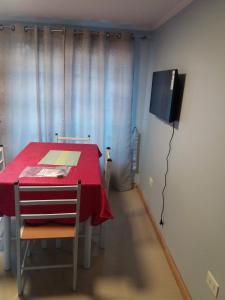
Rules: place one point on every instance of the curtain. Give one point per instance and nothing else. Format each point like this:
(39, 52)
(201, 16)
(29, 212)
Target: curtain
(73, 84)
(18, 113)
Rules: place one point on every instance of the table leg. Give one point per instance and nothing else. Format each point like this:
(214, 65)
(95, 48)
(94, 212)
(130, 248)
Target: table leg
(87, 243)
(7, 243)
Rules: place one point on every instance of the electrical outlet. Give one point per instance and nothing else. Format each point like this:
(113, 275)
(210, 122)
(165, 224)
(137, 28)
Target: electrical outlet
(151, 181)
(212, 283)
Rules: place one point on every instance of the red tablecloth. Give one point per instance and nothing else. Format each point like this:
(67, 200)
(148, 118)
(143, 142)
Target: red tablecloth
(94, 203)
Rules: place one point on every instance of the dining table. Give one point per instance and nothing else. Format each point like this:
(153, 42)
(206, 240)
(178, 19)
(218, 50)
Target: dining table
(94, 205)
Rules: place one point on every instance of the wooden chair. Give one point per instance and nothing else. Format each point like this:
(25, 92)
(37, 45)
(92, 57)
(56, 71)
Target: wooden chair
(2, 158)
(106, 184)
(25, 232)
(82, 140)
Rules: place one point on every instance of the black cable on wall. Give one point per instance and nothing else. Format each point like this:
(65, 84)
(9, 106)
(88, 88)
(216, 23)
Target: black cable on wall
(165, 178)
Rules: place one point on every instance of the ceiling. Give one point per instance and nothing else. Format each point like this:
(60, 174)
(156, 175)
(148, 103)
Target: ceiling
(135, 14)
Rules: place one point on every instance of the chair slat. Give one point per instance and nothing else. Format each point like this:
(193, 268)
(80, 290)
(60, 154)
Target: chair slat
(47, 202)
(75, 139)
(48, 188)
(64, 138)
(48, 216)
(48, 267)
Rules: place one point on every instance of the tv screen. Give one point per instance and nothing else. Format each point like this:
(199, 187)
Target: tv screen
(165, 95)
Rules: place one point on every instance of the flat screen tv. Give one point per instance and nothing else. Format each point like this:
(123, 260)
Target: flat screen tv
(166, 95)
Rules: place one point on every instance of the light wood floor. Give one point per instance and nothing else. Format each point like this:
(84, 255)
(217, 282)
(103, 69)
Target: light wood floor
(132, 266)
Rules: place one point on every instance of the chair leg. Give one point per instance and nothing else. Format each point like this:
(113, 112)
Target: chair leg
(75, 255)
(87, 243)
(18, 260)
(29, 248)
(7, 243)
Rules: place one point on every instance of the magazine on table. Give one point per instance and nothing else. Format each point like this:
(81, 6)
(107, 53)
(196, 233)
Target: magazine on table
(54, 171)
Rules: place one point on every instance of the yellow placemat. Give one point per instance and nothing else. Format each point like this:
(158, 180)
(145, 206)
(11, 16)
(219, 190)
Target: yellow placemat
(61, 158)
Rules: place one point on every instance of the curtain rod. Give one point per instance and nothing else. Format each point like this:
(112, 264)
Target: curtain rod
(11, 27)
(79, 32)
(27, 28)
(108, 33)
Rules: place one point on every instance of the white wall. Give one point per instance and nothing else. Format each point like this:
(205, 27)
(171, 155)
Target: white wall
(193, 42)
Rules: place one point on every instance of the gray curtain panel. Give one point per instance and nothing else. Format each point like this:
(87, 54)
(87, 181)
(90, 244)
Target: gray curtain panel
(71, 83)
